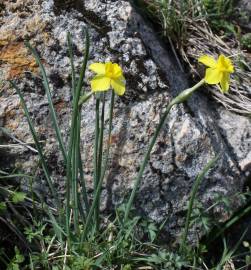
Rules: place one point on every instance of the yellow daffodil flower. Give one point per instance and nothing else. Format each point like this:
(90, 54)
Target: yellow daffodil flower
(218, 71)
(109, 75)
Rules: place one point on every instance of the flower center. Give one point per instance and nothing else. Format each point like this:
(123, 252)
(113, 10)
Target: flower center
(224, 65)
(112, 71)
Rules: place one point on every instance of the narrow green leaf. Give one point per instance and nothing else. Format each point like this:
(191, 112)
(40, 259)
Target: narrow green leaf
(195, 188)
(51, 106)
(84, 98)
(57, 228)
(35, 138)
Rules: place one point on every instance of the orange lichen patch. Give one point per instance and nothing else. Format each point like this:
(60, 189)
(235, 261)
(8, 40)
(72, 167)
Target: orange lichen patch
(16, 56)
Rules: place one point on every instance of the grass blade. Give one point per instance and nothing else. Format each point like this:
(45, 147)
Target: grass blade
(195, 188)
(51, 106)
(73, 74)
(39, 149)
(100, 159)
(74, 122)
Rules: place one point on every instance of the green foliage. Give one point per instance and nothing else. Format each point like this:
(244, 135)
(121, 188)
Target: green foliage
(175, 17)
(218, 13)
(16, 262)
(18, 197)
(246, 41)
(36, 231)
(165, 260)
(2, 206)
(246, 245)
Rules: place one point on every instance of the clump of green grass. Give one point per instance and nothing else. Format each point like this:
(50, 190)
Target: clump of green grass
(219, 15)
(175, 16)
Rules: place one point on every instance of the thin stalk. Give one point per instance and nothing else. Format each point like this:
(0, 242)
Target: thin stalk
(51, 106)
(75, 112)
(68, 167)
(100, 158)
(83, 185)
(81, 173)
(195, 188)
(78, 90)
(73, 73)
(93, 206)
(39, 149)
(109, 137)
(75, 182)
(98, 187)
(96, 145)
(183, 96)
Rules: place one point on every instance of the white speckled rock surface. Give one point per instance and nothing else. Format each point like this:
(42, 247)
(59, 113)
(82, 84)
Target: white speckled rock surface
(194, 134)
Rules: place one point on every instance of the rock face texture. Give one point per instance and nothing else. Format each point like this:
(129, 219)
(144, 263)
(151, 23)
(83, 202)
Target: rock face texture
(245, 8)
(194, 133)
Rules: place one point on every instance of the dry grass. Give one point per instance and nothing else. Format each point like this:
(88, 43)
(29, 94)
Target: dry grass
(192, 37)
(203, 41)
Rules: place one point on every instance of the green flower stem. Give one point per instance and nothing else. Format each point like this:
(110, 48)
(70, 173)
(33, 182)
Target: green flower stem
(77, 93)
(109, 137)
(98, 187)
(82, 100)
(100, 157)
(75, 180)
(183, 96)
(75, 112)
(81, 174)
(95, 160)
(73, 73)
(68, 166)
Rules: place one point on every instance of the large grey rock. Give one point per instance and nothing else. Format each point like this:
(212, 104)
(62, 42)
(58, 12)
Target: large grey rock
(193, 135)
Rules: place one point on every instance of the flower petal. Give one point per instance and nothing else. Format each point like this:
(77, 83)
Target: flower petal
(224, 83)
(207, 61)
(117, 71)
(225, 63)
(99, 68)
(121, 78)
(118, 86)
(100, 83)
(213, 76)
